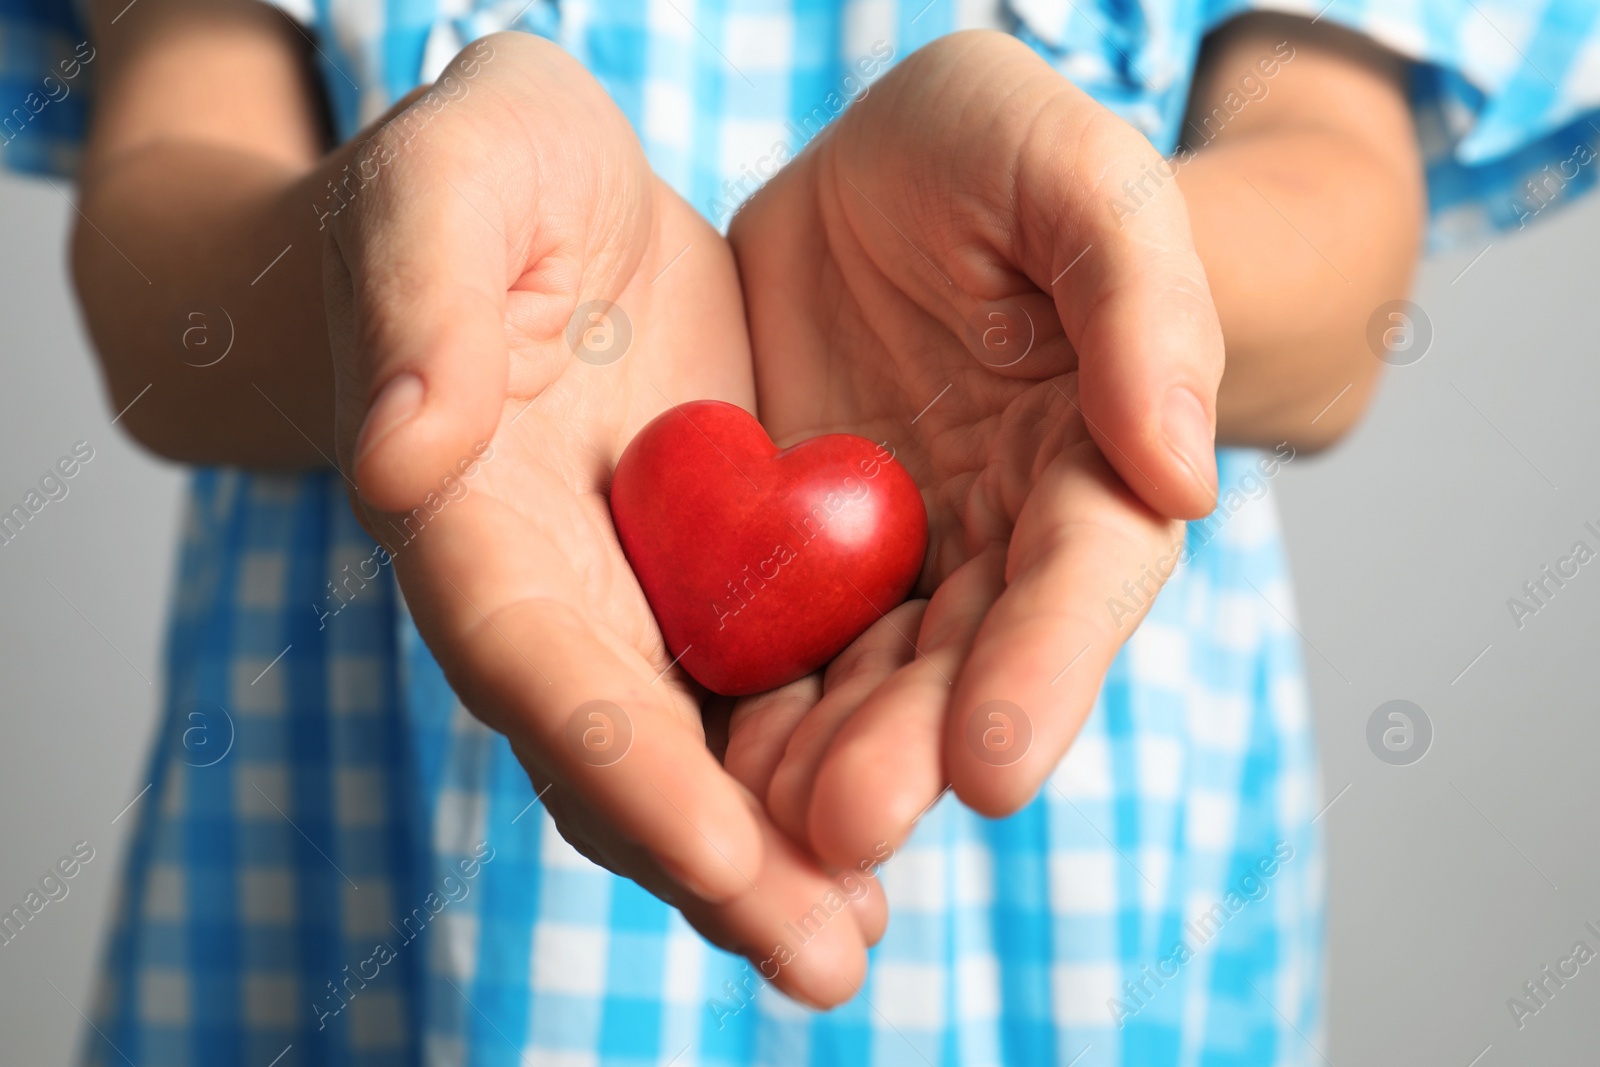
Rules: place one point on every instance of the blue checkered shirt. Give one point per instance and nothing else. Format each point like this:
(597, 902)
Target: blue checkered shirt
(338, 865)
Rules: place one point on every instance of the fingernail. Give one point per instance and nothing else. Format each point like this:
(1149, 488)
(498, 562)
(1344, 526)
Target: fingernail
(1189, 434)
(396, 402)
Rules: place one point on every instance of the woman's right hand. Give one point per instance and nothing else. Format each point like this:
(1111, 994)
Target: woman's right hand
(511, 295)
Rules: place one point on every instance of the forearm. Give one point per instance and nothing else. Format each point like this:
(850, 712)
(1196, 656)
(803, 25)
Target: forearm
(199, 269)
(1305, 196)
(197, 253)
(1297, 268)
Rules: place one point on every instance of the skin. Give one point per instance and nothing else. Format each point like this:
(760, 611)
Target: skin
(1031, 527)
(1330, 230)
(461, 264)
(428, 316)
(1048, 479)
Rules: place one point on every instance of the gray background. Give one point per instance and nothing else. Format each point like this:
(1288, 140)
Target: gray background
(1453, 880)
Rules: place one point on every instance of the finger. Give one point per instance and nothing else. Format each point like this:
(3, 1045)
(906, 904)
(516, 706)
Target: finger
(421, 330)
(865, 893)
(798, 927)
(591, 834)
(1085, 562)
(886, 646)
(760, 728)
(427, 316)
(1133, 297)
(884, 767)
(1127, 286)
(753, 928)
(505, 628)
(451, 206)
(761, 738)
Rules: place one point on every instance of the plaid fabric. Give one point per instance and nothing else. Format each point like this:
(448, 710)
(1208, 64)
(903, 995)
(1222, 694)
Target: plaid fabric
(46, 74)
(337, 865)
(319, 793)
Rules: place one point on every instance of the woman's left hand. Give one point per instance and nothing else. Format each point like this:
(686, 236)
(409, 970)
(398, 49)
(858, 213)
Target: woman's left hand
(943, 271)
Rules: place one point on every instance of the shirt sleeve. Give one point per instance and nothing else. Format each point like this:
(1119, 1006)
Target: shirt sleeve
(1507, 100)
(1505, 95)
(46, 76)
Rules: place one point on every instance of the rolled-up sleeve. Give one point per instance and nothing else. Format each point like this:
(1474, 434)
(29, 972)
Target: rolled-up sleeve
(47, 74)
(1506, 96)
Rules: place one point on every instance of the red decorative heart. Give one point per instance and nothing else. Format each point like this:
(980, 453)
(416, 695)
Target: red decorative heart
(762, 565)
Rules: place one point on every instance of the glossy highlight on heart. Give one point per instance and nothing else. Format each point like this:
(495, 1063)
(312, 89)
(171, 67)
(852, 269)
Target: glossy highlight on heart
(762, 565)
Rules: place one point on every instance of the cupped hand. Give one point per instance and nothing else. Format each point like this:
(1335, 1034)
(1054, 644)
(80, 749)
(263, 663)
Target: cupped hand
(512, 296)
(945, 270)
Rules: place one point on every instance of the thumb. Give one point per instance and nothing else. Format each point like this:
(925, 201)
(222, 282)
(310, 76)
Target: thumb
(1126, 283)
(1139, 312)
(417, 276)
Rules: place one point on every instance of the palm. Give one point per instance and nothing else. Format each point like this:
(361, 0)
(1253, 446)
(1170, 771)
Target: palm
(544, 491)
(1031, 529)
(559, 436)
(502, 622)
